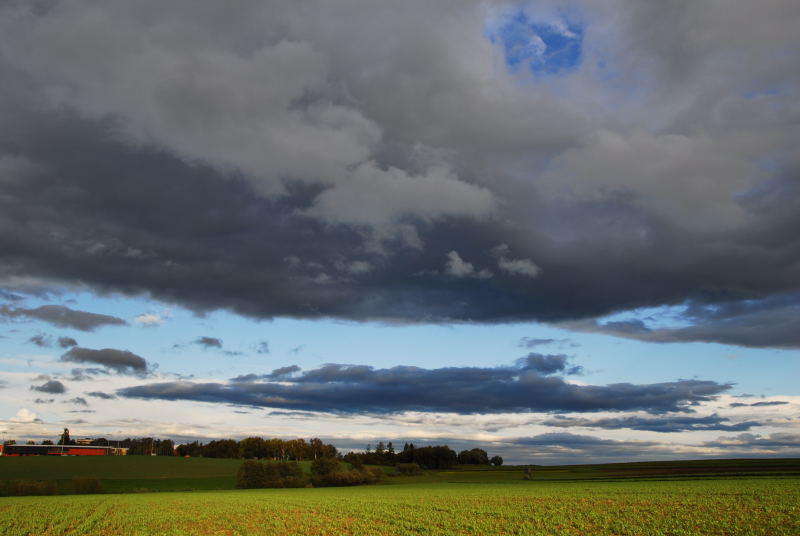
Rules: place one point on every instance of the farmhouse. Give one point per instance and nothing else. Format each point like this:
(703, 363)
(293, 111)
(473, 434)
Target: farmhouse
(60, 450)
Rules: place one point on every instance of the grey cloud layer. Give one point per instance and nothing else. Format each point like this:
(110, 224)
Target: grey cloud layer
(363, 389)
(101, 395)
(62, 316)
(53, 387)
(120, 361)
(784, 443)
(666, 423)
(548, 364)
(277, 160)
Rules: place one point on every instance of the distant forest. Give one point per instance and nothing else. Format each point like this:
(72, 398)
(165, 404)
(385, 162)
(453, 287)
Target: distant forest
(257, 448)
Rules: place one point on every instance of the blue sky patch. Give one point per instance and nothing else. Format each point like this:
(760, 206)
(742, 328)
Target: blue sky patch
(544, 47)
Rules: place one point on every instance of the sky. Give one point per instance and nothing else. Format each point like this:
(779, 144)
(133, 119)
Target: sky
(564, 232)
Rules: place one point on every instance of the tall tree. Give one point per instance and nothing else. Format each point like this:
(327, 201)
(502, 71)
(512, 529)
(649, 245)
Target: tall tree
(316, 447)
(253, 447)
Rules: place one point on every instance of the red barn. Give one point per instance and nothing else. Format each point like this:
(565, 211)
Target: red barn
(58, 450)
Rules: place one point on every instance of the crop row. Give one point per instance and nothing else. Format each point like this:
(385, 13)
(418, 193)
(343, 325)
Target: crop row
(747, 506)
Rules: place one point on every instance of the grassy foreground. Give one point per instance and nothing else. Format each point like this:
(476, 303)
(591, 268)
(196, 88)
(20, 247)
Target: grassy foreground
(752, 506)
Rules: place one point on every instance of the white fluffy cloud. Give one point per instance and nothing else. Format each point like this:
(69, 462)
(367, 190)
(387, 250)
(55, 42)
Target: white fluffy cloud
(24, 415)
(149, 319)
(524, 267)
(377, 197)
(459, 268)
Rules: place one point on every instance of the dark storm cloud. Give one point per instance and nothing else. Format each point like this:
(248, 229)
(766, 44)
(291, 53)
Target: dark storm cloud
(209, 342)
(78, 401)
(121, 361)
(263, 347)
(101, 395)
(665, 423)
(768, 322)
(124, 175)
(62, 316)
(363, 389)
(53, 387)
(67, 342)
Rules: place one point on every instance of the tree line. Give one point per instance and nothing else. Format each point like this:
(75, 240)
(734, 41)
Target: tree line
(260, 448)
(431, 457)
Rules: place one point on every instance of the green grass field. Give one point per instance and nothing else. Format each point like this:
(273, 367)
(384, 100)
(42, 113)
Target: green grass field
(722, 497)
(764, 506)
(125, 473)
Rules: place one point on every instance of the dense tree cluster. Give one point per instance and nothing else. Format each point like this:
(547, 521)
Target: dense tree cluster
(325, 472)
(433, 457)
(255, 474)
(144, 446)
(473, 457)
(259, 448)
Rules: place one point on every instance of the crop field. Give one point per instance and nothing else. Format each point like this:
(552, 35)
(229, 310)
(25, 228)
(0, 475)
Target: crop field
(750, 497)
(126, 473)
(752, 506)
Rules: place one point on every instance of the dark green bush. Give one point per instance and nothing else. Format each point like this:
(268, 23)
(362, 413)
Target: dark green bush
(355, 461)
(86, 485)
(324, 466)
(353, 477)
(28, 487)
(284, 475)
(408, 469)
(250, 475)
(253, 474)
